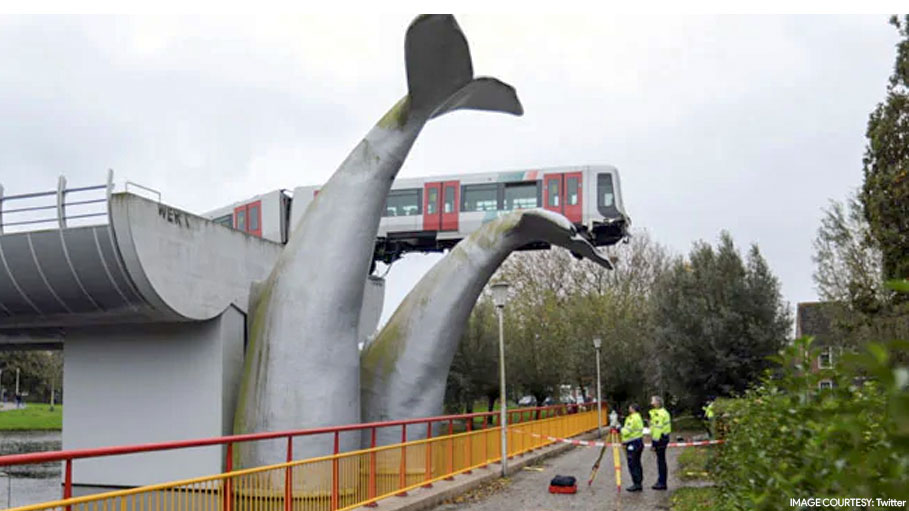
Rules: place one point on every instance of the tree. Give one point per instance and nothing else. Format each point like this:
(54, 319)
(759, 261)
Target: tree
(717, 320)
(38, 372)
(885, 192)
(559, 304)
(848, 262)
(849, 272)
(474, 370)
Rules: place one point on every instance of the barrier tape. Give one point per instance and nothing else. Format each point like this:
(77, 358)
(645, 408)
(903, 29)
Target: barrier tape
(585, 443)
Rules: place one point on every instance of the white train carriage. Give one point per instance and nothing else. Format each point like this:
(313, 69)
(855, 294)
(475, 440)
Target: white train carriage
(433, 214)
(266, 216)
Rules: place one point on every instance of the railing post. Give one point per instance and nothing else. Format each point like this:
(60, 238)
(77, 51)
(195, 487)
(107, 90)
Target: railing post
(61, 198)
(335, 475)
(108, 192)
(289, 477)
(1, 209)
(428, 444)
(402, 481)
(450, 450)
(68, 481)
(227, 505)
(485, 442)
(371, 485)
(468, 454)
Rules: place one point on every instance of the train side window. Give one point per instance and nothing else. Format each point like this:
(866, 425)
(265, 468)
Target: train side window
(432, 200)
(226, 220)
(554, 193)
(521, 196)
(402, 203)
(605, 192)
(241, 220)
(449, 205)
(571, 191)
(480, 197)
(253, 218)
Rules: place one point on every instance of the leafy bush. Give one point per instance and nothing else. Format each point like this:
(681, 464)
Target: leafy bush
(785, 439)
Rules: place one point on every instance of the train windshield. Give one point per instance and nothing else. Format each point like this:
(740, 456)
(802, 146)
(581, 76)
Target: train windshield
(605, 191)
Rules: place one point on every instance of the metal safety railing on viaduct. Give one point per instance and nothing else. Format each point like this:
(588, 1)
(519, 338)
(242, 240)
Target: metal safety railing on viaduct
(342, 480)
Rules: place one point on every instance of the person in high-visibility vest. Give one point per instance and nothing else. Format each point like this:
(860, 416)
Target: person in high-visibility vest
(709, 415)
(660, 428)
(633, 440)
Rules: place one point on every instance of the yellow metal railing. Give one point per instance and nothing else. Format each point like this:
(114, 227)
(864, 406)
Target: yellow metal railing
(333, 483)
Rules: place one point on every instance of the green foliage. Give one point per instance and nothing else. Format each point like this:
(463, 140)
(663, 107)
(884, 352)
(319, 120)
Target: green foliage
(38, 371)
(35, 416)
(785, 438)
(712, 320)
(885, 193)
(717, 319)
(559, 304)
(695, 499)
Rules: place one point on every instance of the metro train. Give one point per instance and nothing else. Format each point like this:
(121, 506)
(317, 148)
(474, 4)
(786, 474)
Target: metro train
(432, 214)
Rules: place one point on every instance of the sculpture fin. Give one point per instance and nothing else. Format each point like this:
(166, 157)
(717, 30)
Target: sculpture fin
(438, 60)
(440, 72)
(483, 94)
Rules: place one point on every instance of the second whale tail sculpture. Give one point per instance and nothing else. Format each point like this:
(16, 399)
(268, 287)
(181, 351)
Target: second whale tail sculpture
(404, 370)
(302, 360)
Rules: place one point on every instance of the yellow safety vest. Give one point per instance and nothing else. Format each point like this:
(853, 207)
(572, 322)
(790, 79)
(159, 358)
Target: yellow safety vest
(634, 428)
(660, 423)
(708, 410)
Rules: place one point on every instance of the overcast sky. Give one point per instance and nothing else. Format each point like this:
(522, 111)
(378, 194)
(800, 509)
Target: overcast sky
(748, 124)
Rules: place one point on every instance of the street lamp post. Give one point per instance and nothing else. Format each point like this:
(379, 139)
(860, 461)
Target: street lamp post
(499, 297)
(597, 343)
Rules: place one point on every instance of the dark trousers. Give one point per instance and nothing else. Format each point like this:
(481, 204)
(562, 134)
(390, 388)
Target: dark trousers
(634, 450)
(660, 448)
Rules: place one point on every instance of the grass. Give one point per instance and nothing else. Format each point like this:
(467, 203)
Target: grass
(33, 416)
(695, 499)
(694, 463)
(689, 423)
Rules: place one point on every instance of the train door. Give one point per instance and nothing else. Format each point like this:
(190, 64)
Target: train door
(248, 218)
(553, 196)
(441, 201)
(573, 198)
(432, 211)
(451, 201)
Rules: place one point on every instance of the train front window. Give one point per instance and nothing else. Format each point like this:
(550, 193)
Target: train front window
(553, 193)
(605, 191)
(449, 205)
(241, 220)
(402, 203)
(432, 201)
(521, 196)
(480, 197)
(571, 191)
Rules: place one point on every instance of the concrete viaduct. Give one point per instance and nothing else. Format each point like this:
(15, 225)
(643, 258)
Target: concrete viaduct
(149, 304)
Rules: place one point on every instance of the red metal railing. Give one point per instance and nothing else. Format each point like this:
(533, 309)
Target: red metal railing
(489, 419)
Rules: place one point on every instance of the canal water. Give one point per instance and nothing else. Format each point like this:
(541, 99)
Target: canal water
(29, 484)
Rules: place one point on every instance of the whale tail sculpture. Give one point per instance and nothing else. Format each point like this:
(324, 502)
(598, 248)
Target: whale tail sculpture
(302, 359)
(440, 72)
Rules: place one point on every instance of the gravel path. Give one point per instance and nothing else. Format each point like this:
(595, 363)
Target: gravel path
(528, 490)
